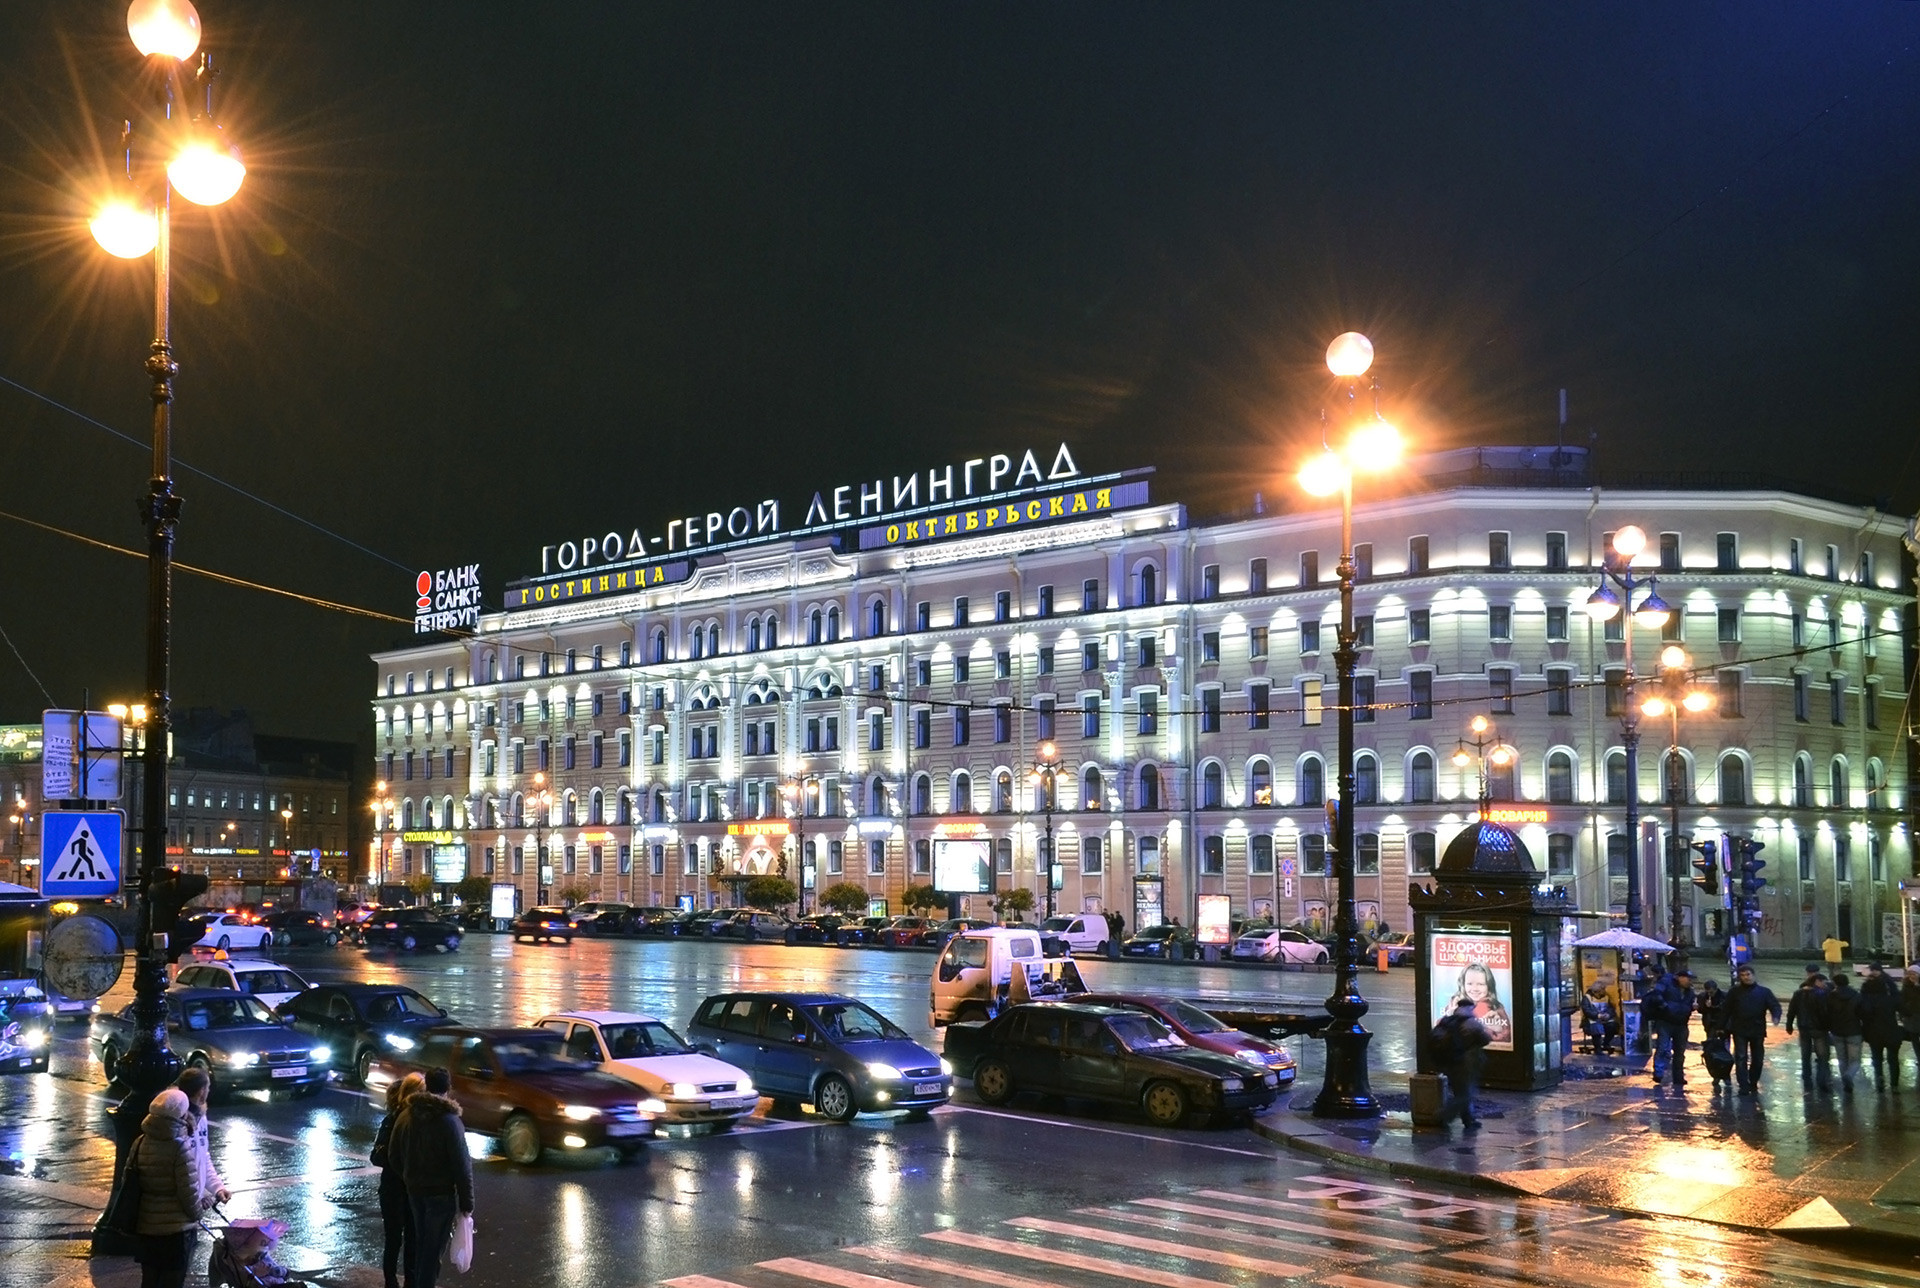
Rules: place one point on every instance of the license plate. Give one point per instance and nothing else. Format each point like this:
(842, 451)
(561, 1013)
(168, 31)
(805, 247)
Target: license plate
(291, 1071)
(744, 1102)
(926, 1088)
(628, 1129)
(24, 1062)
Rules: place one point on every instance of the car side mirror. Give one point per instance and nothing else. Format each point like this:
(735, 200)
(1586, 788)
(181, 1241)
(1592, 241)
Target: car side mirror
(801, 1038)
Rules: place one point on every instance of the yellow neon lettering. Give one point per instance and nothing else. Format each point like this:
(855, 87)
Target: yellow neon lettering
(1103, 499)
(1033, 509)
(953, 524)
(1054, 507)
(1013, 514)
(1079, 502)
(913, 529)
(605, 582)
(893, 533)
(991, 517)
(973, 520)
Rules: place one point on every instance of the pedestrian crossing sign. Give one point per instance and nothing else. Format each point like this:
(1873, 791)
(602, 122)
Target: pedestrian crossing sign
(80, 853)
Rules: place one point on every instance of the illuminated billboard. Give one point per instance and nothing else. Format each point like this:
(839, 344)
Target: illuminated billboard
(1476, 965)
(962, 866)
(1214, 919)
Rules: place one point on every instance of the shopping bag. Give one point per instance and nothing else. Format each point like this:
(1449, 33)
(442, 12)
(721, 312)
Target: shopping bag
(123, 1213)
(460, 1247)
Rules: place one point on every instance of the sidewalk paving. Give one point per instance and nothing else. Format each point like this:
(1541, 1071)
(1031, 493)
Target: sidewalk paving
(1789, 1161)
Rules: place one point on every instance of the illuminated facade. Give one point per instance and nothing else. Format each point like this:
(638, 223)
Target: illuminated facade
(1182, 670)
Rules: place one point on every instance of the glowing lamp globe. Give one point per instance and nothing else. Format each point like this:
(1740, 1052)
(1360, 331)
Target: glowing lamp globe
(126, 230)
(1674, 658)
(1349, 355)
(205, 172)
(1603, 605)
(1654, 706)
(1374, 447)
(1697, 700)
(169, 27)
(1461, 758)
(1629, 541)
(1324, 475)
(1653, 611)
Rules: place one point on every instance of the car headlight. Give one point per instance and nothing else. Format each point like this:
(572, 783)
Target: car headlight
(884, 1072)
(33, 1039)
(320, 1055)
(398, 1041)
(743, 1087)
(651, 1106)
(1231, 1084)
(580, 1113)
(683, 1091)
(243, 1059)
(946, 1067)
(1273, 1080)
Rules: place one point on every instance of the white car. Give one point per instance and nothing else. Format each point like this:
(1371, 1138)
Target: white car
(230, 930)
(695, 1087)
(1279, 945)
(1085, 933)
(271, 982)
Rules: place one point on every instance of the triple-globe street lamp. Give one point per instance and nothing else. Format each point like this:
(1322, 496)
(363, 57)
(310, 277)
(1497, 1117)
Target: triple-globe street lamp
(797, 792)
(1371, 446)
(1677, 695)
(1487, 750)
(1046, 774)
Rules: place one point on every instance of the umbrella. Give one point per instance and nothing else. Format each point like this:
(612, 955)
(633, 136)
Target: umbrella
(1621, 937)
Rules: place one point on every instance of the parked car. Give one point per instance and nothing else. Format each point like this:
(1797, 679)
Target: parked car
(841, 1055)
(711, 925)
(820, 928)
(864, 932)
(1166, 941)
(410, 930)
(521, 1087)
(301, 928)
(26, 1027)
(538, 924)
(651, 921)
(753, 925)
(694, 1087)
(1401, 949)
(1197, 1028)
(272, 983)
(242, 1045)
(904, 932)
(1123, 1056)
(597, 918)
(359, 1020)
(937, 934)
(1083, 932)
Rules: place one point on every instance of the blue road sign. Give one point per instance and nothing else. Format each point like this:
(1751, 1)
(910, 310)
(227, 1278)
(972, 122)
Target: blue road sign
(80, 853)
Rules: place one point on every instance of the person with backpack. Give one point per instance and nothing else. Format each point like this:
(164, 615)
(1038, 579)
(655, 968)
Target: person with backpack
(431, 1143)
(1880, 1025)
(1747, 1009)
(1457, 1042)
(1668, 1007)
(1808, 1010)
(1715, 1054)
(1844, 1029)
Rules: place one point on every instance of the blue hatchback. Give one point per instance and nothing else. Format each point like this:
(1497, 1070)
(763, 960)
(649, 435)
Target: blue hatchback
(841, 1055)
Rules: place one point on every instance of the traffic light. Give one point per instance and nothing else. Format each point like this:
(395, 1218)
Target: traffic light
(1751, 882)
(169, 892)
(1707, 867)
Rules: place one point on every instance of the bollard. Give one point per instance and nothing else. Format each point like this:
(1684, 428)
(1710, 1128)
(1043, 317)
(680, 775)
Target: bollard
(1429, 1099)
(1382, 964)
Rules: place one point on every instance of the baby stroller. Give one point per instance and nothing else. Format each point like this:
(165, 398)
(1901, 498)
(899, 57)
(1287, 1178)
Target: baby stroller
(242, 1256)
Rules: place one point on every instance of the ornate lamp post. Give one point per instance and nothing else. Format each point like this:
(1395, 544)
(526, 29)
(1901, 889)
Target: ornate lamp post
(382, 819)
(541, 800)
(1046, 769)
(1676, 694)
(1652, 612)
(1372, 445)
(1486, 750)
(796, 791)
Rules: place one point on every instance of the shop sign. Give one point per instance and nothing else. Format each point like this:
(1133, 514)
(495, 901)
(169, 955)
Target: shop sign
(762, 827)
(1512, 814)
(1030, 511)
(447, 600)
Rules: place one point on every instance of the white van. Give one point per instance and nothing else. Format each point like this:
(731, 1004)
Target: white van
(1084, 933)
(980, 971)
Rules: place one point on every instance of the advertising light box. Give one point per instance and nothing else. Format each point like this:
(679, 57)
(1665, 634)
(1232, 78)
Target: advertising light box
(449, 864)
(962, 867)
(1478, 966)
(1215, 919)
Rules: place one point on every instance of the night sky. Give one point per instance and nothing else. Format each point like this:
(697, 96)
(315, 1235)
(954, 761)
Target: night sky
(503, 275)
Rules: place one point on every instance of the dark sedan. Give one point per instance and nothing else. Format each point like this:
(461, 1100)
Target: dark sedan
(866, 931)
(241, 1044)
(358, 1021)
(842, 1055)
(1197, 1028)
(300, 928)
(1169, 942)
(754, 925)
(410, 930)
(1104, 1053)
(819, 928)
(601, 918)
(548, 924)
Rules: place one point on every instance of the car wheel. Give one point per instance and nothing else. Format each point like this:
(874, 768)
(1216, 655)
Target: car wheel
(332, 940)
(520, 1141)
(283, 939)
(1320, 959)
(993, 1082)
(1165, 1104)
(226, 941)
(363, 1065)
(110, 1061)
(834, 1098)
(450, 944)
(408, 943)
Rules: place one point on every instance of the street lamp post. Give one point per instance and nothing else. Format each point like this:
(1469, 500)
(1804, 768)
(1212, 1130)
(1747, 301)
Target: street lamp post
(1652, 612)
(542, 801)
(377, 870)
(1372, 445)
(1677, 695)
(795, 792)
(1046, 767)
(1487, 750)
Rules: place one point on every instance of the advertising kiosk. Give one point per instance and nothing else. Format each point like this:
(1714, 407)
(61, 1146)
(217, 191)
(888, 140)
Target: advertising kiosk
(1487, 932)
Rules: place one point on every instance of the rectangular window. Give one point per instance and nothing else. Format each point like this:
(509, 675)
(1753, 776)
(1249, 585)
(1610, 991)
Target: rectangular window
(1801, 702)
(1363, 631)
(1313, 854)
(1213, 856)
(598, 749)
(1257, 577)
(1876, 859)
(832, 741)
(1556, 552)
(1557, 623)
(1500, 622)
(1804, 852)
(1559, 691)
(1260, 856)
(1837, 699)
(1210, 646)
(1560, 855)
(1674, 629)
(1210, 582)
(836, 857)
(1312, 707)
(962, 726)
(962, 668)
(1420, 695)
(1309, 567)
(1043, 601)
(1500, 690)
(1833, 563)
(877, 857)
(1258, 716)
(1209, 711)
(1002, 665)
(1363, 561)
(1500, 551)
(1727, 698)
(813, 736)
(1149, 707)
(876, 678)
(546, 755)
(1366, 854)
(1043, 718)
(922, 855)
(1870, 704)
(1090, 716)
(1090, 595)
(922, 729)
(1866, 568)
(1616, 693)
(1726, 552)
(960, 611)
(1309, 639)
(1149, 650)
(1003, 606)
(1669, 552)
(1046, 660)
(1418, 564)
(1363, 699)
(1796, 556)
(1421, 850)
(1092, 860)
(1002, 723)
(1617, 857)
(1729, 619)
(922, 615)
(1419, 626)
(1842, 857)
(922, 671)
(1090, 656)
(876, 732)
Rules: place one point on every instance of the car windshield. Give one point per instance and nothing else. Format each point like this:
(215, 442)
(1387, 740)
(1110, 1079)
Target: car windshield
(1143, 1033)
(399, 1006)
(272, 981)
(1195, 1020)
(537, 1054)
(1056, 923)
(1157, 932)
(223, 1013)
(639, 1040)
(854, 1022)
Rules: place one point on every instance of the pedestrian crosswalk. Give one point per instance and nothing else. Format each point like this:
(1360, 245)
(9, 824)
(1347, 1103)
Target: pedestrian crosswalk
(1319, 1229)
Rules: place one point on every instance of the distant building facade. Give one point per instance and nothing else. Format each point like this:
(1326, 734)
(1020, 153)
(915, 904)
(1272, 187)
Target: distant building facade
(900, 677)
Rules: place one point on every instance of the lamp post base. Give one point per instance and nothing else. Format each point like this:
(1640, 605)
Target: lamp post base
(1346, 1092)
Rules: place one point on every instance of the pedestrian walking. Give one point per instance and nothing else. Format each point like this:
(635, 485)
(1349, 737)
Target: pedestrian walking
(1668, 1007)
(431, 1143)
(1880, 1025)
(1844, 1029)
(1910, 1015)
(396, 1214)
(1834, 950)
(1807, 1010)
(1116, 930)
(1714, 1052)
(1458, 1040)
(1747, 1009)
(172, 1196)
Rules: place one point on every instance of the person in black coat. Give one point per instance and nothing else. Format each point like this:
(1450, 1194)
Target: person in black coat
(1807, 1009)
(1844, 1028)
(396, 1214)
(1880, 1025)
(431, 1143)
(1668, 1007)
(1745, 1012)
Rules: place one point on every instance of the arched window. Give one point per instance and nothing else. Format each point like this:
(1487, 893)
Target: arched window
(659, 644)
(753, 635)
(406, 813)
(1003, 792)
(877, 618)
(623, 808)
(1091, 793)
(1212, 786)
(1733, 780)
(1420, 778)
(1559, 778)
(493, 668)
(596, 807)
(1149, 585)
(1313, 781)
(659, 808)
(1366, 780)
(713, 639)
(1839, 788)
(773, 631)
(517, 810)
(1616, 778)
(695, 642)
(1876, 779)
(569, 805)
(1803, 781)
(833, 623)
(961, 802)
(813, 627)
(1676, 777)
(1260, 782)
(878, 805)
(922, 794)
(1149, 796)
